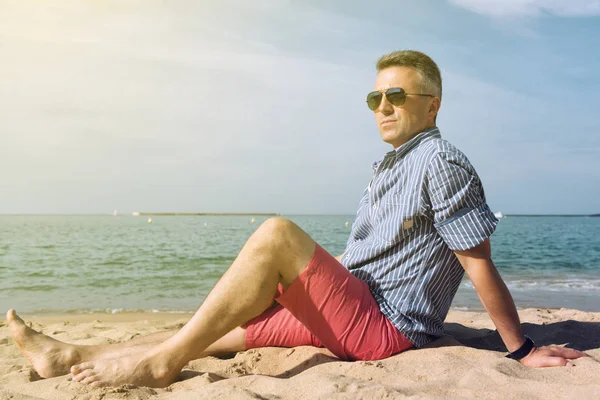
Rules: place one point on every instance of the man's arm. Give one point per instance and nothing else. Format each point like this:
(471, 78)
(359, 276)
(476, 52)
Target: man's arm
(499, 304)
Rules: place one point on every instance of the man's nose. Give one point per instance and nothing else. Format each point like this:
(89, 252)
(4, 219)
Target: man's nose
(386, 107)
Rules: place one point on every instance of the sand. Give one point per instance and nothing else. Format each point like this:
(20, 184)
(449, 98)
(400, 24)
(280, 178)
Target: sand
(474, 368)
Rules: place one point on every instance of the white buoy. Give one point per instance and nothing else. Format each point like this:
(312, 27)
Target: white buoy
(252, 220)
(205, 224)
(149, 220)
(347, 224)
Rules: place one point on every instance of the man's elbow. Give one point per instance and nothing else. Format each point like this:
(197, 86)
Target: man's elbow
(476, 255)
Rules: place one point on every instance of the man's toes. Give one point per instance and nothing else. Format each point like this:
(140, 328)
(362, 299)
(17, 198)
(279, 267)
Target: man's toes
(79, 368)
(89, 380)
(97, 384)
(83, 375)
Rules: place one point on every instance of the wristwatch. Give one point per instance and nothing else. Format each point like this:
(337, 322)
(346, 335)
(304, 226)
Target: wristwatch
(522, 351)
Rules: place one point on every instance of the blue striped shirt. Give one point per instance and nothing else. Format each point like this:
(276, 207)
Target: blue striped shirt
(424, 201)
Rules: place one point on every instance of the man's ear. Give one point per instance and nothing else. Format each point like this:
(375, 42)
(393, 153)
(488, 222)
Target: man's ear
(434, 107)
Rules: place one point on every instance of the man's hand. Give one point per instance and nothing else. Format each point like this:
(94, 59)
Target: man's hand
(551, 356)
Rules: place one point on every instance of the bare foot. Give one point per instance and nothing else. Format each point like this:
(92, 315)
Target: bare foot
(49, 357)
(138, 369)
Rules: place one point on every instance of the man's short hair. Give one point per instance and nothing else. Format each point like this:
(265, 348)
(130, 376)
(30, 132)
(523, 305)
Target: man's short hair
(431, 79)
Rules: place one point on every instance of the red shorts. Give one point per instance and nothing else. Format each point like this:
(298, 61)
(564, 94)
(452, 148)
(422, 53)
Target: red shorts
(327, 306)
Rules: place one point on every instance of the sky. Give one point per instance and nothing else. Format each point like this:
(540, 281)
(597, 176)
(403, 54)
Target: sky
(259, 106)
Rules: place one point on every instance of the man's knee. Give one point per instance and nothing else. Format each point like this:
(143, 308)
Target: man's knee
(277, 223)
(277, 231)
(287, 246)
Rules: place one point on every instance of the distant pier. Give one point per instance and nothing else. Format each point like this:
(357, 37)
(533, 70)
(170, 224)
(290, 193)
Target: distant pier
(177, 214)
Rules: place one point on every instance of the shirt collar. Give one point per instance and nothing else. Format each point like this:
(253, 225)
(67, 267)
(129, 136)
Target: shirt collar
(408, 146)
(414, 142)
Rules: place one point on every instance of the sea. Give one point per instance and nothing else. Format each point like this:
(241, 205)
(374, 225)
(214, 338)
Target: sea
(110, 264)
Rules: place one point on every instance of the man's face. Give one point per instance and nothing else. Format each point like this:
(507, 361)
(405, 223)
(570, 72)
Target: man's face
(399, 124)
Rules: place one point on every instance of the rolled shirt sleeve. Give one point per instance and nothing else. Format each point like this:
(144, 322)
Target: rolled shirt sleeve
(460, 213)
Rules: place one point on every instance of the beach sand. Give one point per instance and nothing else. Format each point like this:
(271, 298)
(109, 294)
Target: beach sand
(446, 369)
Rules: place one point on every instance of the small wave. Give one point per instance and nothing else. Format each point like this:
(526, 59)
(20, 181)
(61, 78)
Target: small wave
(107, 283)
(86, 311)
(33, 288)
(555, 285)
(110, 263)
(40, 274)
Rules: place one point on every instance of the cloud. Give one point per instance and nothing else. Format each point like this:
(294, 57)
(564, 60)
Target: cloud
(531, 8)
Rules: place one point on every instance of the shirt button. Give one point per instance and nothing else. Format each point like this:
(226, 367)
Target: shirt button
(375, 206)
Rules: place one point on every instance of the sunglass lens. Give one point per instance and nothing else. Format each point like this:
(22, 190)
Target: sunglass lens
(396, 96)
(373, 100)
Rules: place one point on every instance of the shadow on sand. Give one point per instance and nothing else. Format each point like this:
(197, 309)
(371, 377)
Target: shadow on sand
(574, 334)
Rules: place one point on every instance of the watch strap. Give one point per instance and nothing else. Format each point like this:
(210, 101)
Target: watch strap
(522, 351)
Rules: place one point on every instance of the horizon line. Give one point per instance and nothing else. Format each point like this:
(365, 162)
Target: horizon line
(250, 214)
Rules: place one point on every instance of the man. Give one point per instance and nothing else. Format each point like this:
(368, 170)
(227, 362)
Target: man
(422, 221)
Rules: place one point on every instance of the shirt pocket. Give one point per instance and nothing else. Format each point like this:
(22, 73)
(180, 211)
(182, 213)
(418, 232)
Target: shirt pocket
(393, 220)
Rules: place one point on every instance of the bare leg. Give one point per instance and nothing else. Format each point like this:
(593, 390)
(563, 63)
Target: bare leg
(232, 342)
(51, 357)
(276, 253)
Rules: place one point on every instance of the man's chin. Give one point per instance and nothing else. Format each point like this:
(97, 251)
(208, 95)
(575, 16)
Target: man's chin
(389, 137)
(395, 139)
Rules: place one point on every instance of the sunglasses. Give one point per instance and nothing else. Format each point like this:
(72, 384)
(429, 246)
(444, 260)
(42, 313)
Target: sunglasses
(396, 96)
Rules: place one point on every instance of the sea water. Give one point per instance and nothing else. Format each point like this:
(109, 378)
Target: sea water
(81, 264)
